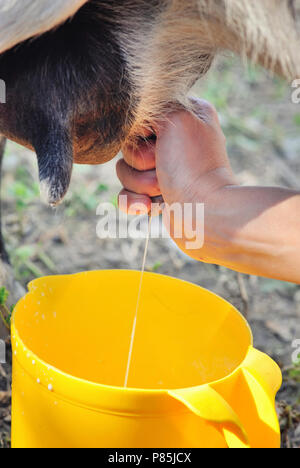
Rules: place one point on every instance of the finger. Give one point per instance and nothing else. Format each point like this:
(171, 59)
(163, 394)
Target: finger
(141, 157)
(143, 183)
(134, 204)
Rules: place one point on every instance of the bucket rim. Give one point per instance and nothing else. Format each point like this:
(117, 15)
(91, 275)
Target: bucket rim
(17, 342)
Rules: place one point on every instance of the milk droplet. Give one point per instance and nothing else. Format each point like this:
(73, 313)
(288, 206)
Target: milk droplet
(38, 381)
(50, 388)
(33, 362)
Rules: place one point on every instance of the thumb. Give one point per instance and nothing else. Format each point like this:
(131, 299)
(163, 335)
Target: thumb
(178, 152)
(189, 145)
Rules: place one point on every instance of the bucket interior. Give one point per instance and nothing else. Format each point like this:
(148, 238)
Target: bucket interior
(81, 324)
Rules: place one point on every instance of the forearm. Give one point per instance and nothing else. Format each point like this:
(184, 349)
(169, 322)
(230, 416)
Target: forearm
(255, 231)
(249, 229)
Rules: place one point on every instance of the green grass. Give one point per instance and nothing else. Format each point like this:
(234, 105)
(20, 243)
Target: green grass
(294, 373)
(24, 190)
(84, 199)
(5, 310)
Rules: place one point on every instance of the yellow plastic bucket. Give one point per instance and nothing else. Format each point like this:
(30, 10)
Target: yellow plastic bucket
(195, 381)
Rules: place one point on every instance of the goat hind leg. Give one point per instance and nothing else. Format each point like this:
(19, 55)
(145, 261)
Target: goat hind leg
(265, 31)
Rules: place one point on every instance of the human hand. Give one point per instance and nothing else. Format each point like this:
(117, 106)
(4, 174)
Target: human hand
(186, 164)
(252, 230)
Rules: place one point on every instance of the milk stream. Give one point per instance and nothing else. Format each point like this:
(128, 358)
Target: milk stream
(137, 305)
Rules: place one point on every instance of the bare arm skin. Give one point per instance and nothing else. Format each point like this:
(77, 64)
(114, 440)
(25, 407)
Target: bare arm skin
(254, 230)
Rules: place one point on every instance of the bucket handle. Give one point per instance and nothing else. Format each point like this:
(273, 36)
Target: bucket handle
(210, 406)
(264, 370)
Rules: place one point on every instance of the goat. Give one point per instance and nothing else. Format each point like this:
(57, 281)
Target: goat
(82, 77)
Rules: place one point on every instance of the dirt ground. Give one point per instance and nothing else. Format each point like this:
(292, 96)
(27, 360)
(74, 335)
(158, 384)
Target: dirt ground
(263, 130)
